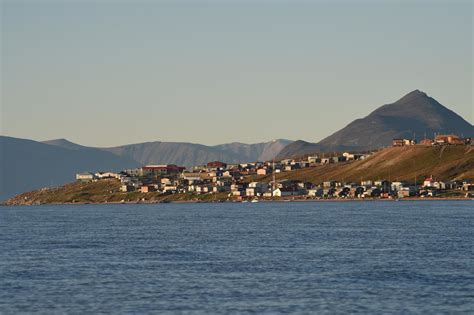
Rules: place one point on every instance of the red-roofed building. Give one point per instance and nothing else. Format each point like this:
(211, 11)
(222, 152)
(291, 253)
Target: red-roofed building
(429, 182)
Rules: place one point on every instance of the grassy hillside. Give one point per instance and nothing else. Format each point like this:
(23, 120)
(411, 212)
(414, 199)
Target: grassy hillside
(103, 191)
(397, 163)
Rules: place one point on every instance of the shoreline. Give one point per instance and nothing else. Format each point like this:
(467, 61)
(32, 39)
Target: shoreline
(243, 201)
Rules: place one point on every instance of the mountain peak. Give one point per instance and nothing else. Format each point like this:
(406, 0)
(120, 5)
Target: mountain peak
(65, 143)
(413, 95)
(415, 114)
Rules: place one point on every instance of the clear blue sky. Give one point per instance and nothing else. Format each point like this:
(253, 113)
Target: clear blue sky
(107, 73)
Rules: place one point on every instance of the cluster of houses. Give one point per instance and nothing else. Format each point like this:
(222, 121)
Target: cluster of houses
(241, 181)
(438, 140)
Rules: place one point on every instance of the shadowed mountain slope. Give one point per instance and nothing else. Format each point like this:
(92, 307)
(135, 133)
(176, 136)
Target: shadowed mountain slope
(27, 164)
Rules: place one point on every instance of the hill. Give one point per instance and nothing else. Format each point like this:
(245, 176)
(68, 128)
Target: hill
(398, 163)
(103, 191)
(27, 164)
(395, 163)
(414, 115)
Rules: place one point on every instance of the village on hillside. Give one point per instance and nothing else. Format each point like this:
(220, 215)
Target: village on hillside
(241, 181)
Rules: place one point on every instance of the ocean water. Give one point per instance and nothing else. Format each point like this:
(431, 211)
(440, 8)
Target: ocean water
(288, 257)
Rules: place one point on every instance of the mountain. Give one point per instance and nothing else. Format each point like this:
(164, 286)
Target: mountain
(64, 143)
(27, 164)
(413, 116)
(188, 154)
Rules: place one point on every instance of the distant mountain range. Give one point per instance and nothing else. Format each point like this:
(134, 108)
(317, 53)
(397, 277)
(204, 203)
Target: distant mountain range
(187, 154)
(26, 165)
(415, 115)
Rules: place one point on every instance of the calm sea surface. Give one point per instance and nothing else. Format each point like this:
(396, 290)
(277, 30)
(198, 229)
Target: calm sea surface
(359, 257)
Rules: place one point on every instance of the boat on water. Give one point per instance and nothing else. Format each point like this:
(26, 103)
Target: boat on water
(254, 200)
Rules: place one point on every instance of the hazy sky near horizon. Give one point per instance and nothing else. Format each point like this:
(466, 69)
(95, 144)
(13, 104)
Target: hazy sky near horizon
(106, 73)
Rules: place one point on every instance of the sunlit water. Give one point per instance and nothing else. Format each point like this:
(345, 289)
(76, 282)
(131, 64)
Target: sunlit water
(366, 257)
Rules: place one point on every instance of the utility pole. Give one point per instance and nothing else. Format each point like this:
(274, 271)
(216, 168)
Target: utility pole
(273, 173)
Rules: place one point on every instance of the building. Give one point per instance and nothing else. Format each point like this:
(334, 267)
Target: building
(282, 192)
(216, 165)
(160, 170)
(85, 177)
(449, 139)
(104, 175)
(429, 182)
(127, 188)
(398, 142)
(262, 171)
(147, 189)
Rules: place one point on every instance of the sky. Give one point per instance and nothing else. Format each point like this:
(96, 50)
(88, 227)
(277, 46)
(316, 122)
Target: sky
(106, 73)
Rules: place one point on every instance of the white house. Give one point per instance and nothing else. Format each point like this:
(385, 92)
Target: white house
(85, 177)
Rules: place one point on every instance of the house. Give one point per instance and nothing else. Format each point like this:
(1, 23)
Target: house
(449, 139)
(396, 186)
(262, 171)
(259, 185)
(85, 177)
(192, 177)
(429, 182)
(203, 189)
(147, 189)
(106, 175)
(216, 189)
(404, 192)
(328, 184)
(251, 192)
(316, 192)
(348, 156)
(165, 181)
(402, 142)
(384, 185)
(216, 165)
(170, 188)
(288, 168)
(132, 172)
(313, 159)
(366, 183)
(281, 192)
(326, 160)
(127, 188)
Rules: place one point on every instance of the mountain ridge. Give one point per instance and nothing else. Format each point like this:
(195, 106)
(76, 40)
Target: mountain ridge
(186, 153)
